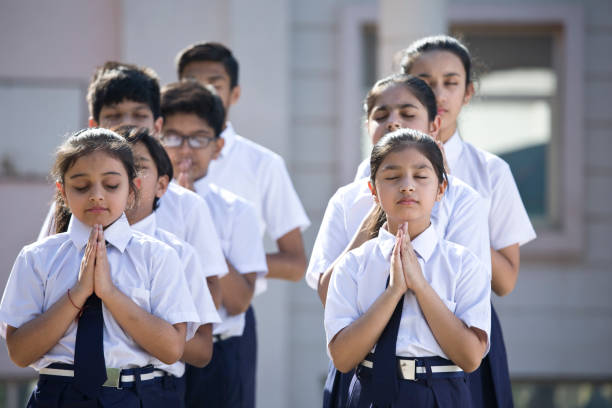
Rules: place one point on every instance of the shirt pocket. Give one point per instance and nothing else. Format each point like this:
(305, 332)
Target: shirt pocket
(142, 297)
(450, 304)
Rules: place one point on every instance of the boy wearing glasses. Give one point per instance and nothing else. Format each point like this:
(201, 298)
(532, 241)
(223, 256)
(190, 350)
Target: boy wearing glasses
(193, 121)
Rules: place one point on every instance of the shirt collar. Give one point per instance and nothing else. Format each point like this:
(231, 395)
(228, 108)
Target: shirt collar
(452, 149)
(147, 225)
(202, 186)
(118, 234)
(229, 135)
(423, 245)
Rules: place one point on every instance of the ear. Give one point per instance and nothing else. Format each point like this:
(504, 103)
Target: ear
(61, 189)
(157, 126)
(219, 143)
(92, 122)
(441, 189)
(373, 191)
(434, 127)
(138, 182)
(469, 92)
(234, 95)
(162, 186)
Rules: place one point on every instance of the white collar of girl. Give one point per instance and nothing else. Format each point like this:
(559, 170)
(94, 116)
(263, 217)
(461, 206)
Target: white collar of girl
(118, 234)
(424, 244)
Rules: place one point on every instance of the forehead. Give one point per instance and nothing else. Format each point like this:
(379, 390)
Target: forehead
(206, 70)
(140, 151)
(397, 94)
(437, 62)
(407, 157)
(96, 163)
(127, 106)
(186, 123)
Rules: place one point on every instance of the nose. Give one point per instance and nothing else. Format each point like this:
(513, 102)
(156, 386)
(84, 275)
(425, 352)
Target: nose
(184, 147)
(407, 187)
(393, 126)
(96, 194)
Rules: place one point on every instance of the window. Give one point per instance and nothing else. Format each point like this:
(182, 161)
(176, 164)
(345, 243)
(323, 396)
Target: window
(530, 110)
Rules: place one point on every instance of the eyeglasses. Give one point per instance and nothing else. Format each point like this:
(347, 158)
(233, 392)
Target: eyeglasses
(195, 141)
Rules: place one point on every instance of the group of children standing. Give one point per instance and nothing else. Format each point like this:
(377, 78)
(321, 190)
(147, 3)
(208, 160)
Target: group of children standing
(138, 291)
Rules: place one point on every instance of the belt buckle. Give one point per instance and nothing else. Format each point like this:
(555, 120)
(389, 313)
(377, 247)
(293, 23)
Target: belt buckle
(113, 378)
(408, 369)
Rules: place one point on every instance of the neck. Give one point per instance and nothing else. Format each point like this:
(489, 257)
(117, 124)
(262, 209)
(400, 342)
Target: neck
(136, 216)
(447, 133)
(415, 228)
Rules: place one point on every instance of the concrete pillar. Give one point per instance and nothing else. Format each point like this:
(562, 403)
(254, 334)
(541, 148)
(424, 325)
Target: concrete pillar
(402, 21)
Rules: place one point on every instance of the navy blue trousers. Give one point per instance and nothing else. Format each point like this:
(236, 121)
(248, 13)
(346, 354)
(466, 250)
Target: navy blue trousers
(422, 393)
(490, 385)
(218, 384)
(58, 392)
(337, 387)
(248, 359)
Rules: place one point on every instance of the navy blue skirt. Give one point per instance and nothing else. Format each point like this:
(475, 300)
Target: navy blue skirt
(337, 385)
(490, 384)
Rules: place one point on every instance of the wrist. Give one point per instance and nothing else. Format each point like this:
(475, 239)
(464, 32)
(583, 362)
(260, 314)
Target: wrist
(395, 292)
(78, 295)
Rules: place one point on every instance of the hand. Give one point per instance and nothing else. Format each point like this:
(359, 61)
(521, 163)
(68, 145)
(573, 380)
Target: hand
(85, 283)
(183, 178)
(397, 280)
(103, 284)
(410, 263)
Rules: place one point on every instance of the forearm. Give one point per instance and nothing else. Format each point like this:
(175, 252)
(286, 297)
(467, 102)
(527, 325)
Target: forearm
(460, 343)
(351, 344)
(237, 290)
(26, 344)
(198, 350)
(159, 338)
(289, 263)
(504, 268)
(215, 290)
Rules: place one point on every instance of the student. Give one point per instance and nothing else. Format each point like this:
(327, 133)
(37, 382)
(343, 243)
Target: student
(155, 172)
(430, 322)
(252, 172)
(397, 101)
(193, 120)
(125, 94)
(94, 309)
(445, 64)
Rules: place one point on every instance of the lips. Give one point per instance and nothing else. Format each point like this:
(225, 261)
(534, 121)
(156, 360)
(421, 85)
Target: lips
(441, 111)
(96, 210)
(184, 164)
(407, 201)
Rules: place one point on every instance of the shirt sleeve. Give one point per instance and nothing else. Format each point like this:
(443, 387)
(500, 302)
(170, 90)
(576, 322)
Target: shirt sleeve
(468, 225)
(202, 235)
(341, 305)
(246, 252)
(170, 296)
(508, 220)
(281, 206)
(24, 294)
(331, 240)
(473, 295)
(363, 170)
(196, 282)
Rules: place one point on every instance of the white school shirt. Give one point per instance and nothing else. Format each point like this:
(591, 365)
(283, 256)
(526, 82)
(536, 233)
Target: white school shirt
(491, 176)
(458, 217)
(260, 176)
(194, 275)
(363, 170)
(142, 267)
(238, 230)
(456, 275)
(184, 214)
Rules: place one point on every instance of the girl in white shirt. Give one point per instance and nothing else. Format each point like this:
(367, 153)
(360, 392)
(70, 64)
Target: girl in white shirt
(446, 65)
(94, 309)
(435, 306)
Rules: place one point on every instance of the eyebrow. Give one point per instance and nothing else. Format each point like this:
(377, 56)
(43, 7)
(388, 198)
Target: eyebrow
(108, 173)
(450, 74)
(397, 166)
(402, 106)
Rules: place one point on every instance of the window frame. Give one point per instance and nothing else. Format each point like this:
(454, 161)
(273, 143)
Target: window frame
(566, 240)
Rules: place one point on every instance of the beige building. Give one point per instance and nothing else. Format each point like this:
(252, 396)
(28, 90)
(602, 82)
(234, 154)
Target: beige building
(305, 67)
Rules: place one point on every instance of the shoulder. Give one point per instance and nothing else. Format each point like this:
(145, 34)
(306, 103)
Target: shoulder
(352, 191)
(495, 166)
(150, 245)
(233, 203)
(255, 153)
(458, 254)
(460, 191)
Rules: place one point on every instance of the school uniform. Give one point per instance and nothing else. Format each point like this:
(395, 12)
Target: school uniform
(508, 224)
(139, 266)
(236, 224)
(184, 214)
(457, 217)
(196, 281)
(459, 279)
(260, 176)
